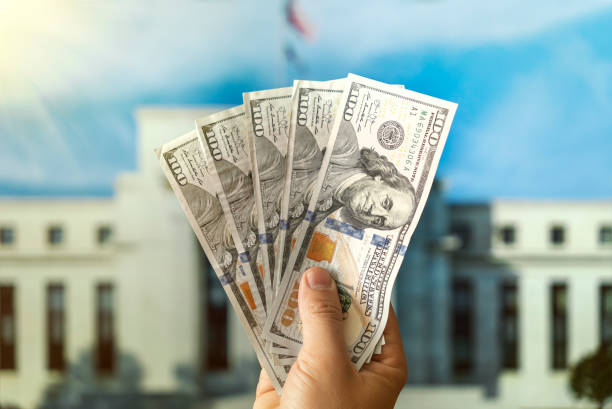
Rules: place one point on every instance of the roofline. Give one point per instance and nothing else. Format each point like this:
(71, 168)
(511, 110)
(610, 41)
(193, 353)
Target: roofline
(523, 201)
(56, 199)
(176, 109)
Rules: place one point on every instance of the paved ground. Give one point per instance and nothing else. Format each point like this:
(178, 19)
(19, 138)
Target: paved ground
(413, 398)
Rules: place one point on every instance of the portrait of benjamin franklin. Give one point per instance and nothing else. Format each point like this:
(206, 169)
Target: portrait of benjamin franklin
(364, 184)
(271, 166)
(368, 189)
(207, 211)
(238, 190)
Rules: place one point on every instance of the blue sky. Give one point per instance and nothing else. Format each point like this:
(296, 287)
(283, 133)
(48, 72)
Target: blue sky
(533, 83)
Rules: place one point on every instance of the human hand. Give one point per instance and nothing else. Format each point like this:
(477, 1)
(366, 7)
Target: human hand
(323, 375)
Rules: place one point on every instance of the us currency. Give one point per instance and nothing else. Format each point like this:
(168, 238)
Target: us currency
(223, 139)
(377, 349)
(313, 110)
(267, 116)
(189, 173)
(375, 177)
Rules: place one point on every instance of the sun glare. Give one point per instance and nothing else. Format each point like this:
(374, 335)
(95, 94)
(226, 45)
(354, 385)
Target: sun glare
(34, 35)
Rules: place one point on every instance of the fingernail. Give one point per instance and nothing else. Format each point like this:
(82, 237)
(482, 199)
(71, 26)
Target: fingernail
(318, 278)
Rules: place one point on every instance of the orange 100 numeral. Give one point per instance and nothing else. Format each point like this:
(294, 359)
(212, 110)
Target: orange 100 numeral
(289, 314)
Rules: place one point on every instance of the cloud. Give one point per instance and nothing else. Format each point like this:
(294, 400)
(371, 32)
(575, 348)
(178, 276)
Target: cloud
(548, 137)
(77, 70)
(72, 74)
(101, 50)
(362, 29)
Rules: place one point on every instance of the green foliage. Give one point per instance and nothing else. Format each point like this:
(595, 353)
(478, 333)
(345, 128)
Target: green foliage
(591, 377)
(345, 298)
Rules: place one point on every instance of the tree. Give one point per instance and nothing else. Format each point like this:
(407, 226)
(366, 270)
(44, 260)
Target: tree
(591, 377)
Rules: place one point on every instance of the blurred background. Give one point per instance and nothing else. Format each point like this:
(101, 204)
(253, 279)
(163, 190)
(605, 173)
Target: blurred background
(106, 299)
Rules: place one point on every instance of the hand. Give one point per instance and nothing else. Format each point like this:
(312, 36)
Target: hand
(323, 376)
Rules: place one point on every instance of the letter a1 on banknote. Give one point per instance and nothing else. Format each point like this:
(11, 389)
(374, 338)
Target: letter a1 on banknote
(376, 174)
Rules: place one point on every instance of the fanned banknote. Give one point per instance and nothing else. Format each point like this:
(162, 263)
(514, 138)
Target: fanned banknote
(334, 174)
(313, 110)
(268, 115)
(363, 207)
(224, 141)
(188, 171)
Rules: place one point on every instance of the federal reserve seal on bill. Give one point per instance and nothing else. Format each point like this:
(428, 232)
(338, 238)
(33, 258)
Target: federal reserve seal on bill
(390, 135)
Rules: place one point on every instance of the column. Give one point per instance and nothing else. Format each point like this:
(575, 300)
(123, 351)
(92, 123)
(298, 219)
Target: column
(486, 326)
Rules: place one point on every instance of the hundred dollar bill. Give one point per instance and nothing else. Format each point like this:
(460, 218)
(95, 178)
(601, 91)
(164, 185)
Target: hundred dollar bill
(189, 173)
(267, 116)
(375, 177)
(313, 109)
(377, 349)
(224, 141)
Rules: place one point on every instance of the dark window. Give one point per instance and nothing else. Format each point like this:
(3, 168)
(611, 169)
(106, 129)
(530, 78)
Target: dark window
(507, 234)
(105, 329)
(55, 235)
(463, 232)
(557, 235)
(7, 235)
(463, 310)
(7, 328)
(605, 326)
(216, 356)
(558, 297)
(56, 327)
(605, 234)
(509, 325)
(105, 233)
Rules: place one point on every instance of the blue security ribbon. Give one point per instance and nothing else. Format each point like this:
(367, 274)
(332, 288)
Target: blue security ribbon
(226, 278)
(265, 238)
(344, 228)
(380, 240)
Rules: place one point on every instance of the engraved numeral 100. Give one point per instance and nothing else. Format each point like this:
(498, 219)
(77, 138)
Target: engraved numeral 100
(289, 314)
(302, 109)
(180, 177)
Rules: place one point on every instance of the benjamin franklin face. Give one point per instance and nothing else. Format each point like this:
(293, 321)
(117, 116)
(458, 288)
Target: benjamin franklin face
(376, 204)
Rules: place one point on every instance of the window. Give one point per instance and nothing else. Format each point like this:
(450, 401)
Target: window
(105, 332)
(7, 235)
(507, 234)
(7, 328)
(605, 234)
(557, 235)
(55, 327)
(462, 302)
(605, 314)
(509, 325)
(55, 235)
(105, 234)
(559, 325)
(216, 356)
(463, 232)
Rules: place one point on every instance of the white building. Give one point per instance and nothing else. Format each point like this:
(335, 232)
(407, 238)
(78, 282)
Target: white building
(114, 290)
(523, 294)
(114, 296)
(532, 288)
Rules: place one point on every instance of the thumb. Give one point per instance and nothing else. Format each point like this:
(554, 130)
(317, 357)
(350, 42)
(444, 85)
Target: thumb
(321, 315)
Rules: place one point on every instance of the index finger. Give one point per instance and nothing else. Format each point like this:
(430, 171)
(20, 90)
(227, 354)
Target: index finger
(264, 385)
